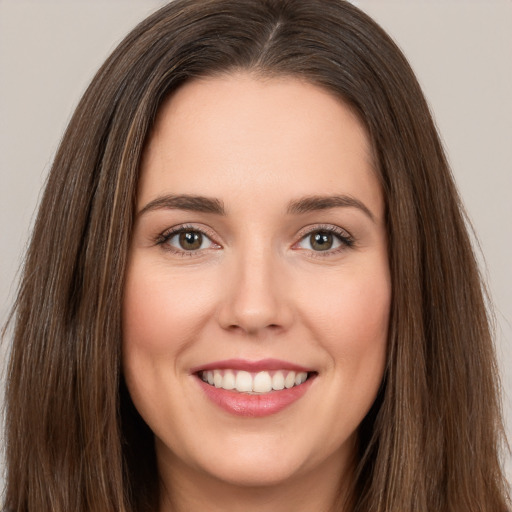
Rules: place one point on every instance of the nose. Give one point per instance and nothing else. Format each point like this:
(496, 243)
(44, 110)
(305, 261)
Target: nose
(256, 295)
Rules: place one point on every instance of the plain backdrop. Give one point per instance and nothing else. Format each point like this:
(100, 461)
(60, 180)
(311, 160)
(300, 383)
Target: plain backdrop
(461, 51)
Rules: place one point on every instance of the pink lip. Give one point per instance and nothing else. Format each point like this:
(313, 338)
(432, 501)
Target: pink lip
(251, 366)
(257, 405)
(243, 404)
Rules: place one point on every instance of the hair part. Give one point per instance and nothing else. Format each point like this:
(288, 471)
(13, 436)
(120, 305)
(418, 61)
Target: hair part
(74, 439)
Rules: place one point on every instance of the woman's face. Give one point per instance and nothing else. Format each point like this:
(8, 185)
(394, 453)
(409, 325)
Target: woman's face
(258, 259)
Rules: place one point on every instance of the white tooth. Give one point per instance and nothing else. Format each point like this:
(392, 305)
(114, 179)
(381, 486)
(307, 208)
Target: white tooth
(300, 378)
(243, 381)
(262, 382)
(278, 381)
(209, 377)
(203, 377)
(290, 380)
(229, 380)
(217, 378)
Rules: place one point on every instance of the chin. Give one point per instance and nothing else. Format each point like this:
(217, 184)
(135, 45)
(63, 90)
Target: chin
(247, 461)
(254, 472)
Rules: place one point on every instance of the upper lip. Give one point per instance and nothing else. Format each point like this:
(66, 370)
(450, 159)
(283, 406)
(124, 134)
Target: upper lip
(251, 366)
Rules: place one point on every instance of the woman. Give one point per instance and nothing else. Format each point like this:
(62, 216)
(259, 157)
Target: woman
(250, 286)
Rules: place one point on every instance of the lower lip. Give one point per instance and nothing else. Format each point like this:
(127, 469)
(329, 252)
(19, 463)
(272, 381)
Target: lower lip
(258, 405)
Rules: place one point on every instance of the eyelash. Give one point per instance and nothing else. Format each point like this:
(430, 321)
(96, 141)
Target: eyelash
(184, 228)
(346, 240)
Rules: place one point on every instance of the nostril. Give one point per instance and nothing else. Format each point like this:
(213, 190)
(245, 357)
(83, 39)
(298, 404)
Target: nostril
(254, 329)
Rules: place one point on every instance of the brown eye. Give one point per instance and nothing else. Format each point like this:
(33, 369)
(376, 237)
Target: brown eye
(321, 240)
(190, 240)
(187, 240)
(325, 240)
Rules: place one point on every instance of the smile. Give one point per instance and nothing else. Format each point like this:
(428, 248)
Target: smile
(253, 388)
(252, 382)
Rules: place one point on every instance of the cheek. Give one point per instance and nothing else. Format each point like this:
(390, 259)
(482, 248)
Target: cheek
(163, 310)
(353, 300)
(349, 313)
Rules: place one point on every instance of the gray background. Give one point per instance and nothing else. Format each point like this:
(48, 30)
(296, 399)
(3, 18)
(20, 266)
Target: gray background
(461, 51)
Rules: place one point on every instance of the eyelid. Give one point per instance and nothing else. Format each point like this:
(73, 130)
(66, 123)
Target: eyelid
(169, 233)
(346, 239)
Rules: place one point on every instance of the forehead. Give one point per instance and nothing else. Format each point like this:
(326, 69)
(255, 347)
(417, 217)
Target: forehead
(229, 133)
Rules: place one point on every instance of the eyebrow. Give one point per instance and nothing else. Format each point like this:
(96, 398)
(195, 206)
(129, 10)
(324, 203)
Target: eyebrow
(212, 205)
(185, 202)
(314, 203)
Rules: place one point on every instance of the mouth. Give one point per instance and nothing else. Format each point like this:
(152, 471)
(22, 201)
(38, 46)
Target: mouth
(265, 381)
(254, 388)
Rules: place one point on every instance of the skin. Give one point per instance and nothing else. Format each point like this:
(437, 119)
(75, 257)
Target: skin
(256, 289)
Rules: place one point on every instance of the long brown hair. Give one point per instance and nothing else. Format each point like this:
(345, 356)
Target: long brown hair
(73, 438)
